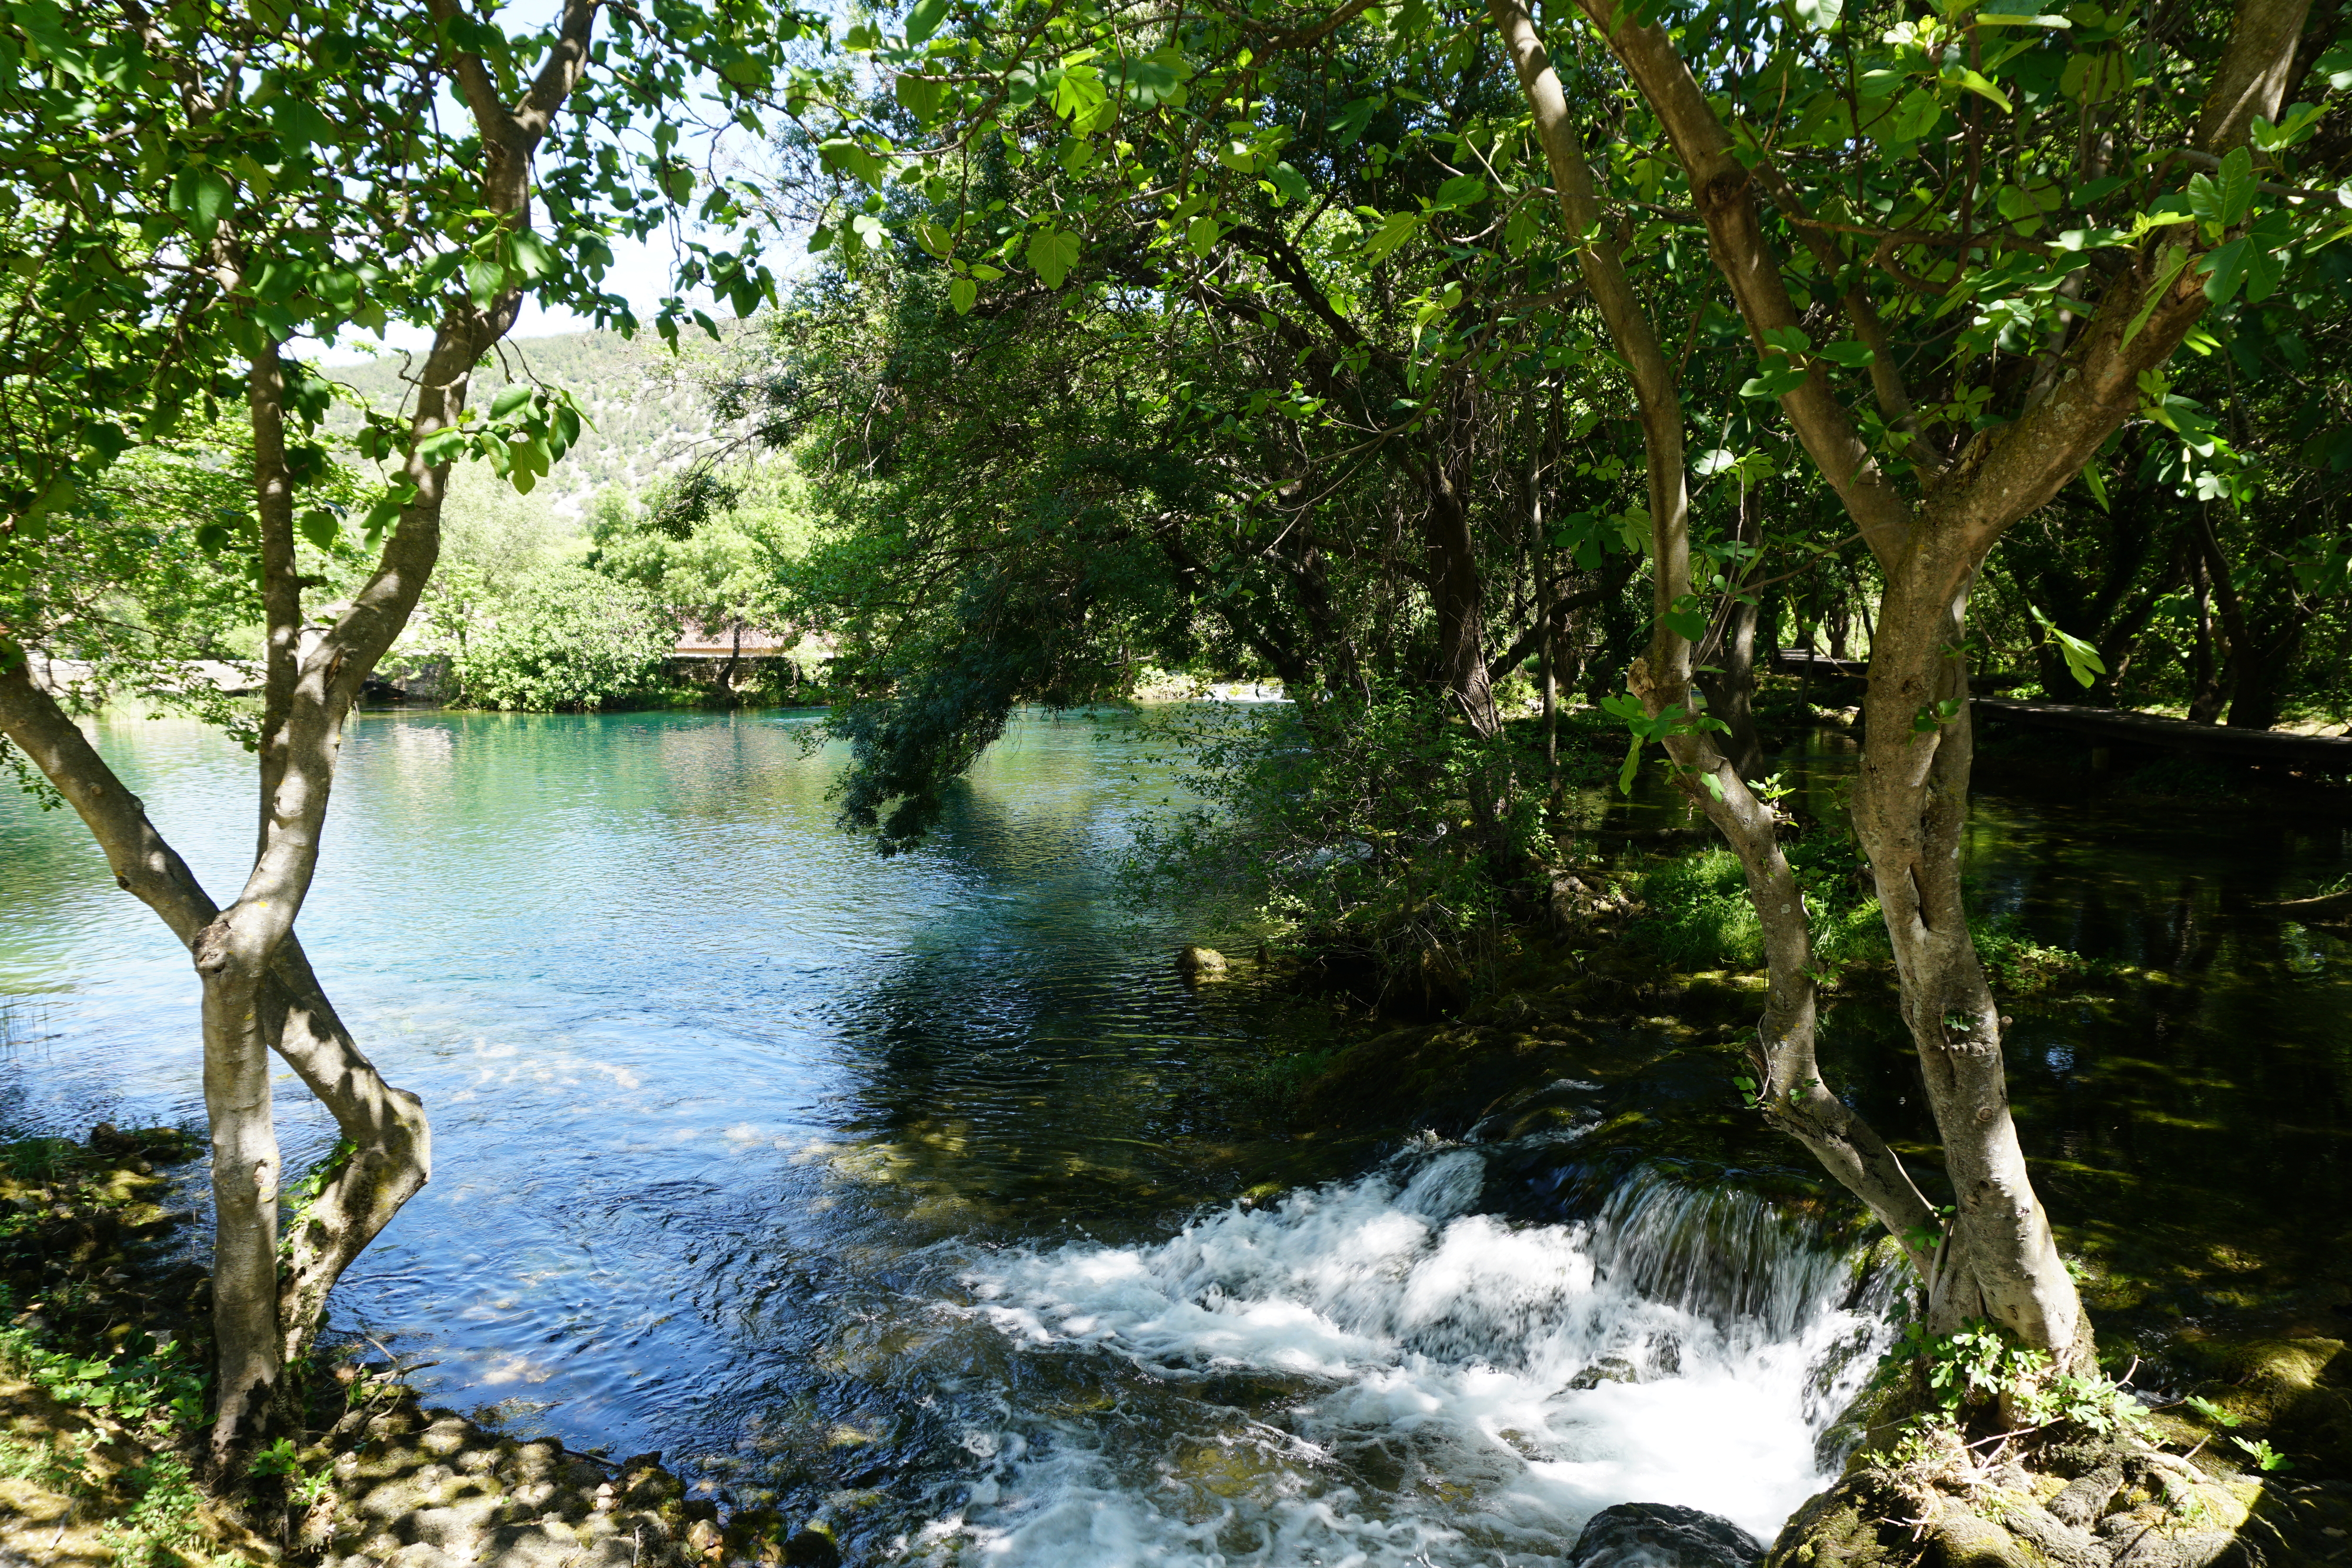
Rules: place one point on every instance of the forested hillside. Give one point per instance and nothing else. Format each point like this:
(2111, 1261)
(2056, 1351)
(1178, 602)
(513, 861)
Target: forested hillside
(643, 413)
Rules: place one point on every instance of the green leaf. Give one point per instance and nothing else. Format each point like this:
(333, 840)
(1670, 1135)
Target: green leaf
(511, 396)
(2223, 268)
(2335, 65)
(200, 194)
(963, 293)
(301, 124)
(2082, 661)
(1961, 75)
(2168, 263)
(923, 19)
(319, 527)
(1915, 117)
(2205, 199)
(2264, 268)
(1461, 191)
(1688, 625)
(2237, 185)
(1854, 356)
(1201, 235)
(844, 156)
(1349, 126)
(485, 280)
(532, 257)
(1774, 384)
(1821, 15)
(923, 96)
(1051, 255)
(1398, 228)
(1527, 221)
(1789, 339)
(1079, 92)
(2095, 482)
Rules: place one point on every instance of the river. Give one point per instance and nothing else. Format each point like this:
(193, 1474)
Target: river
(917, 1194)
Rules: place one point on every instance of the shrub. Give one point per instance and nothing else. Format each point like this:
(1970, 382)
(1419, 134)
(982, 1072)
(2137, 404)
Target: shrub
(1697, 914)
(1379, 835)
(568, 640)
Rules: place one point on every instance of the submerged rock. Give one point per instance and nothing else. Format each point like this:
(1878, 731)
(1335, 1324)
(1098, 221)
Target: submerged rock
(812, 1549)
(1200, 963)
(1660, 1535)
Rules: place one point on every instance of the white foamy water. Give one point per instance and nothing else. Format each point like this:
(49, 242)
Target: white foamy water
(1447, 1388)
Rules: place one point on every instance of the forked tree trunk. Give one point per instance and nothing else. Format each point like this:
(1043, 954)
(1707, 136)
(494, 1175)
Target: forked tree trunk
(1999, 1256)
(385, 1127)
(258, 990)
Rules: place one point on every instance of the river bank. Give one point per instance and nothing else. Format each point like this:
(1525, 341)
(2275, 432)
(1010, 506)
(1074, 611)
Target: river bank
(102, 1395)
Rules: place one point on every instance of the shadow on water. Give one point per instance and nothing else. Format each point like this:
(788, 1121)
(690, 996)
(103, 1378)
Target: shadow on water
(2187, 1099)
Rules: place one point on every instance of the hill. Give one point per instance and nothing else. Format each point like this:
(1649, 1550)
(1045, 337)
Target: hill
(645, 414)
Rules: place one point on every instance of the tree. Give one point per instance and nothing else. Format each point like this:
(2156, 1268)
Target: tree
(1246, 422)
(191, 189)
(568, 639)
(1971, 426)
(711, 553)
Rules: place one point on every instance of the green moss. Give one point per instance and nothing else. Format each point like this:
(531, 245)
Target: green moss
(1844, 1527)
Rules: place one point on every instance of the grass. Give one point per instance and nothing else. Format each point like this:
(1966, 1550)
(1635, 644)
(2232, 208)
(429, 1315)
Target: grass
(1697, 916)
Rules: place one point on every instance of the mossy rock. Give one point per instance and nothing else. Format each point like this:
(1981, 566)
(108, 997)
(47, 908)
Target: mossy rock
(1961, 1539)
(2298, 1391)
(1842, 1528)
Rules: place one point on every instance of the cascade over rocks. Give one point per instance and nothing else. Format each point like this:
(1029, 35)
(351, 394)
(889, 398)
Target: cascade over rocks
(1660, 1535)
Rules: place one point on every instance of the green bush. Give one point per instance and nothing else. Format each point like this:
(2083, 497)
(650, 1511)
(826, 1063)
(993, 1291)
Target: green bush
(1379, 835)
(1697, 915)
(2014, 962)
(568, 640)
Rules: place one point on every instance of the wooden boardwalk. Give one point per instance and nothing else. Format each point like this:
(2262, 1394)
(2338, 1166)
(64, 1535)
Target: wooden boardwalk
(2324, 753)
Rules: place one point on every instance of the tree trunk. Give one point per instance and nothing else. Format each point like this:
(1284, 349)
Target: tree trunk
(255, 980)
(1910, 805)
(727, 670)
(1458, 589)
(1731, 649)
(384, 1127)
(2206, 692)
(246, 1340)
(1790, 1090)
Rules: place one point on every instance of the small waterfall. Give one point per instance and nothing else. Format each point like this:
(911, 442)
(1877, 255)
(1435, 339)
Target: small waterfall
(1452, 1388)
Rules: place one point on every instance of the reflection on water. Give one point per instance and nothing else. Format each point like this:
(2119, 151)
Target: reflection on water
(904, 1189)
